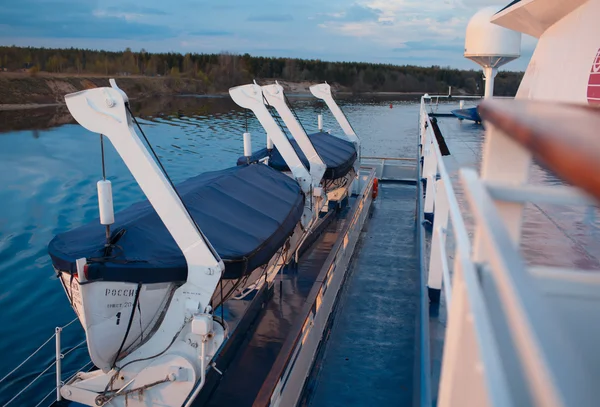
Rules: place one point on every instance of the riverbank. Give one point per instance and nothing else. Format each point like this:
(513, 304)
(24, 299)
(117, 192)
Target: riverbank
(23, 91)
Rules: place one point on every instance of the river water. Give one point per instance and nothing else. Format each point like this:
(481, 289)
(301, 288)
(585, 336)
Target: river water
(48, 172)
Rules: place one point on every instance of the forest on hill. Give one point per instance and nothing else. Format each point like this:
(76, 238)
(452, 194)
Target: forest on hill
(217, 72)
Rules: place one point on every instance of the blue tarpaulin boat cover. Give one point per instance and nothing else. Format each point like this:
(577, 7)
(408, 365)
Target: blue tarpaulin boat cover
(337, 154)
(246, 212)
(467, 114)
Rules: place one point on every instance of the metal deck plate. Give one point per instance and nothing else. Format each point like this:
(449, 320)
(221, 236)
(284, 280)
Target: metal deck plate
(369, 358)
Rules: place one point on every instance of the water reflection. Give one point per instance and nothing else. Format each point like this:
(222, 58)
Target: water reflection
(195, 106)
(34, 119)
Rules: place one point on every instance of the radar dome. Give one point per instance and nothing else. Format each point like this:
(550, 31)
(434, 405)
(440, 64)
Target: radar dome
(488, 44)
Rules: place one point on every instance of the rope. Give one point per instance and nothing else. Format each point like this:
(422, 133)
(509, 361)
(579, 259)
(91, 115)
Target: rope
(68, 380)
(103, 399)
(30, 356)
(352, 127)
(88, 364)
(287, 101)
(44, 399)
(48, 368)
(75, 347)
(164, 171)
(274, 114)
(74, 319)
(117, 370)
(30, 384)
(222, 300)
(103, 163)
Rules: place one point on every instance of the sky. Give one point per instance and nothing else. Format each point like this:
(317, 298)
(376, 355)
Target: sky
(415, 32)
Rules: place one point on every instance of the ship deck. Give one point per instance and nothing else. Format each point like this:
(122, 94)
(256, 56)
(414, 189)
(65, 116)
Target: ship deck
(369, 354)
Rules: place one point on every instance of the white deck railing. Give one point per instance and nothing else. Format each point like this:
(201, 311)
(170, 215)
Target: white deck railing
(468, 322)
(508, 339)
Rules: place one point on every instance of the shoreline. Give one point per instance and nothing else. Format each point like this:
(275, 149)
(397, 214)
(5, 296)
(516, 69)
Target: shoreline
(27, 106)
(19, 91)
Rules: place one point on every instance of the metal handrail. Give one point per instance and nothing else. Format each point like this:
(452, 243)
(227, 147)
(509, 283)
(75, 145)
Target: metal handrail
(57, 362)
(27, 359)
(34, 353)
(81, 369)
(30, 384)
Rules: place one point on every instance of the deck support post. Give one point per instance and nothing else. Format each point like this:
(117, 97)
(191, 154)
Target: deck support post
(434, 278)
(430, 175)
(504, 162)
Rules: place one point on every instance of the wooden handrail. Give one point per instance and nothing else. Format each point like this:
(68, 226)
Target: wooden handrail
(564, 138)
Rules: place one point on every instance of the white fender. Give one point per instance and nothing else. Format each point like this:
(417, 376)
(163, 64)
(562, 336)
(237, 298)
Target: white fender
(276, 98)
(251, 97)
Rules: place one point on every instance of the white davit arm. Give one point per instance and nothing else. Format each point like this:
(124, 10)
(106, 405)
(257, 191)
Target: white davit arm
(251, 97)
(276, 98)
(323, 91)
(102, 110)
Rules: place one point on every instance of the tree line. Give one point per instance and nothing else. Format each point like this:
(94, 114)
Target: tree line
(220, 71)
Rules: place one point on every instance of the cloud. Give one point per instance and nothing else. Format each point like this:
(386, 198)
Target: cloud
(129, 13)
(61, 19)
(354, 13)
(455, 46)
(357, 12)
(210, 33)
(117, 14)
(271, 18)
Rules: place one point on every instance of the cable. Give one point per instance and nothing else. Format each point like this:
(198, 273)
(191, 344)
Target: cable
(102, 151)
(79, 345)
(117, 370)
(139, 307)
(343, 113)
(287, 101)
(25, 361)
(44, 399)
(135, 301)
(164, 171)
(275, 115)
(30, 384)
(74, 319)
(222, 300)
